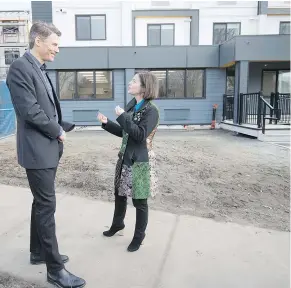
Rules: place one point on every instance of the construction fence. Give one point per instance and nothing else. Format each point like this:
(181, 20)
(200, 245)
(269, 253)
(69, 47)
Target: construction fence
(7, 114)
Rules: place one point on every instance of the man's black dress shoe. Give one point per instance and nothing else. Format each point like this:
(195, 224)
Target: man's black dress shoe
(36, 259)
(65, 279)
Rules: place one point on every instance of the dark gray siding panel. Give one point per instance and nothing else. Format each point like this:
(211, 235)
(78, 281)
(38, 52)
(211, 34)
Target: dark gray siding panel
(227, 52)
(263, 48)
(200, 109)
(136, 57)
(129, 73)
(81, 58)
(262, 7)
(72, 110)
(42, 10)
(255, 73)
(203, 56)
(147, 57)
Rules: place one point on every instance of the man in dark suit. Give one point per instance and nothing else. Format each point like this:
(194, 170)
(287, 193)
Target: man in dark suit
(40, 137)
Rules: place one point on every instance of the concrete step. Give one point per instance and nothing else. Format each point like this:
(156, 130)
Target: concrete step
(270, 137)
(277, 132)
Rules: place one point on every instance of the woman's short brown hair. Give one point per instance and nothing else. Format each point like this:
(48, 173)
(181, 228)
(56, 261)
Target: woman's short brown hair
(149, 84)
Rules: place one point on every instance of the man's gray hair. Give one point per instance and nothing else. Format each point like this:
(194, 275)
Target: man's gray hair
(42, 30)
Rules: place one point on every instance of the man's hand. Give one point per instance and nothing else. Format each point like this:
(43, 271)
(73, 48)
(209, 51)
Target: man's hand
(62, 138)
(102, 118)
(118, 110)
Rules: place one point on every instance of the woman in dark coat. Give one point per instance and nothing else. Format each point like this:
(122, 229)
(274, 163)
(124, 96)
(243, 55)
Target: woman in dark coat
(135, 170)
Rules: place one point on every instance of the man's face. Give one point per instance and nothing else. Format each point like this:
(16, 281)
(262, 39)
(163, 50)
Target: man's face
(48, 48)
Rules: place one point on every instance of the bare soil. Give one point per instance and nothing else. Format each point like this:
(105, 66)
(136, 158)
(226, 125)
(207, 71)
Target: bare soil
(212, 174)
(8, 281)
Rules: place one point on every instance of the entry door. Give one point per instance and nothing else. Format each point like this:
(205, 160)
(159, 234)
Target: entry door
(269, 84)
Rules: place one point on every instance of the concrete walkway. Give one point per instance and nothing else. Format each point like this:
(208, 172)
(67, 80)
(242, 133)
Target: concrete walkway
(179, 251)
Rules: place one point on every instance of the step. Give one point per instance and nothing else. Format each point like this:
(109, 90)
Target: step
(274, 137)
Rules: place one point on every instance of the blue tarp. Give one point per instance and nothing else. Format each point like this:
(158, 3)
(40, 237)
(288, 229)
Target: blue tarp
(7, 115)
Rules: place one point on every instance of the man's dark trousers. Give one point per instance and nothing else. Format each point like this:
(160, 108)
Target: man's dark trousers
(42, 230)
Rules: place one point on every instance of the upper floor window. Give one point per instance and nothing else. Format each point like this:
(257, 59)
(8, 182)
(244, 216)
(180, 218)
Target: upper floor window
(90, 27)
(224, 31)
(161, 34)
(11, 55)
(284, 28)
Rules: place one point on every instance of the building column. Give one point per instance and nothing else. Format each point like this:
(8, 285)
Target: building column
(241, 84)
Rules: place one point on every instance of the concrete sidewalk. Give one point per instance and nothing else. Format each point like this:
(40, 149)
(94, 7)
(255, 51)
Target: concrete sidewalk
(179, 251)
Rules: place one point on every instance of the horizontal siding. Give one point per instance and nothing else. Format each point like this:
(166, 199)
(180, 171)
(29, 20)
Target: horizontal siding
(200, 109)
(105, 107)
(42, 11)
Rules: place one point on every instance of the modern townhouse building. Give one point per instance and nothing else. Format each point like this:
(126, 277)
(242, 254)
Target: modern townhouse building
(199, 50)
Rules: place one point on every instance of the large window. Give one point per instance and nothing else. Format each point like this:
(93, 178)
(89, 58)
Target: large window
(85, 85)
(161, 34)
(284, 28)
(275, 81)
(90, 27)
(225, 31)
(180, 83)
(11, 55)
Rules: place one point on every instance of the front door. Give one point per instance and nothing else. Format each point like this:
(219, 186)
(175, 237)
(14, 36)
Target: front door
(269, 83)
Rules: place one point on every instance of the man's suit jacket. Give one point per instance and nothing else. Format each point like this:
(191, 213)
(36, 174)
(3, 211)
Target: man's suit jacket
(37, 129)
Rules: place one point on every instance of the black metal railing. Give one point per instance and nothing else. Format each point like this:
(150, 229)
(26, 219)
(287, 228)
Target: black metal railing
(249, 108)
(254, 108)
(281, 101)
(276, 113)
(228, 107)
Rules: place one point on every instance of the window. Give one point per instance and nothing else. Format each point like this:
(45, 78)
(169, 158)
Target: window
(66, 85)
(180, 83)
(85, 85)
(230, 80)
(284, 28)
(11, 55)
(90, 27)
(275, 81)
(225, 31)
(161, 34)
(195, 83)
(10, 31)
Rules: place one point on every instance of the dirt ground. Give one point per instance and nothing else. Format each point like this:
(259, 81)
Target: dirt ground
(212, 174)
(7, 281)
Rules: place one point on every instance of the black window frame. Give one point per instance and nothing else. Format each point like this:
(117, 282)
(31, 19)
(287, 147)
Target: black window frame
(90, 15)
(224, 23)
(203, 97)
(283, 22)
(161, 24)
(76, 84)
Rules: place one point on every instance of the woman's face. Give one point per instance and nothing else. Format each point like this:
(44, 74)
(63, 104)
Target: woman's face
(134, 86)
